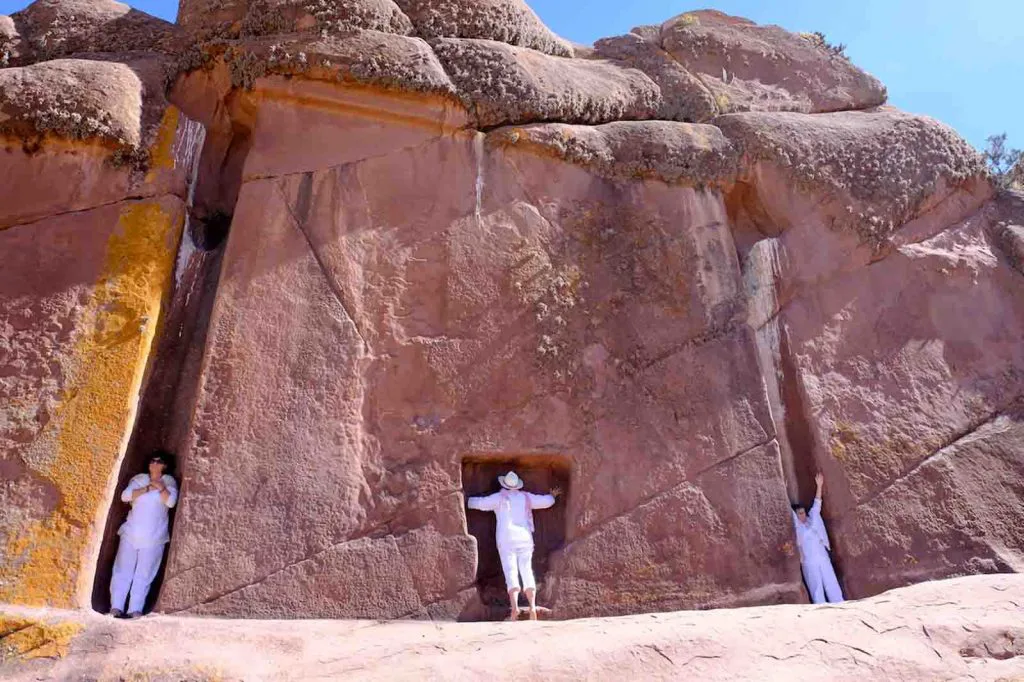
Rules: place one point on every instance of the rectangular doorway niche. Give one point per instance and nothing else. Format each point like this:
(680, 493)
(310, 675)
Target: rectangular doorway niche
(540, 473)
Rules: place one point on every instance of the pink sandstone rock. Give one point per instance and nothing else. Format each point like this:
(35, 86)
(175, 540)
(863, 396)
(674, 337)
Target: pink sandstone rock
(684, 96)
(764, 68)
(628, 150)
(81, 133)
(322, 17)
(415, 255)
(504, 84)
(50, 29)
(506, 21)
(969, 627)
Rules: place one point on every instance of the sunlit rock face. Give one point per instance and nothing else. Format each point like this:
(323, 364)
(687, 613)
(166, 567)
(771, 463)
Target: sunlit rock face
(351, 260)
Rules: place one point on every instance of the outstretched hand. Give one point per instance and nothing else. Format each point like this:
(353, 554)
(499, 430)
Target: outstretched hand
(819, 479)
(556, 491)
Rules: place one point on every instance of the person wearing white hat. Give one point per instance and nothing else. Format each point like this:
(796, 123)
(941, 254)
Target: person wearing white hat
(514, 509)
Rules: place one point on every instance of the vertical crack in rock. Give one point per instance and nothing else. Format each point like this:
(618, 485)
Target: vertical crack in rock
(167, 400)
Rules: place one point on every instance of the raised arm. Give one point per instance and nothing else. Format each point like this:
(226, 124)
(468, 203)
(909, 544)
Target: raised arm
(541, 501)
(819, 482)
(488, 503)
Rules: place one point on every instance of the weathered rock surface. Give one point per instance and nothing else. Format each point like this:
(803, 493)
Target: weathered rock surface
(877, 169)
(420, 243)
(969, 628)
(50, 29)
(764, 68)
(95, 166)
(367, 57)
(504, 84)
(518, 260)
(322, 17)
(684, 96)
(82, 297)
(75, 99)
(506, 21)
(695, 155)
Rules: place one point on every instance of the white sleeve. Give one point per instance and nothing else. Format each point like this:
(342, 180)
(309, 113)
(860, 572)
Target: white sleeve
(489, 503)
(541, 501)
(815, 510)
(172, 489)
(139, 481)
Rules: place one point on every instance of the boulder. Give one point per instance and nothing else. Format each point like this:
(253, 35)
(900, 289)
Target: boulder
(52, 29)
(373, 58)
(79, 100)
(879, 168)
(954, 513)
(322, 17)
(506, 21)
(684, 96)
(504, 84)
(204, 19)
(696, 155)
(748, 67)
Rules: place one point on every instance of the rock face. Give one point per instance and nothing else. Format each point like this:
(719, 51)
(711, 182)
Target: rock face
(765, 68)
(373, 254)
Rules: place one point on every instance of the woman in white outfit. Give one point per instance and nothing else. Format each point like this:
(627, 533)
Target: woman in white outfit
(514, 509)
(812, 539)
(143, 535)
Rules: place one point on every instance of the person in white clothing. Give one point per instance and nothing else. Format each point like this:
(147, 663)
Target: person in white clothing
(812, 540)
(514, 510)
(143, 535)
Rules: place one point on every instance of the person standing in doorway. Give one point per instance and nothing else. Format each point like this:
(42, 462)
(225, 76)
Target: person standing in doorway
(812, 539)
(143, 535)
(514, 510)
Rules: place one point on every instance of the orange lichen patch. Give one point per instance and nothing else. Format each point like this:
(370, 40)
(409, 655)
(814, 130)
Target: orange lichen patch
(94, 416)
(24, 638)
(162, 151)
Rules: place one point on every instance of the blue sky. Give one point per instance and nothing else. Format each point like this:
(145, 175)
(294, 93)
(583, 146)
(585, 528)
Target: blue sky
(961, 62)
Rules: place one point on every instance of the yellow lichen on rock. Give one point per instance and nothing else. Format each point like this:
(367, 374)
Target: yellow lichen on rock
(162, 151)
(27, 638)
(94, 417)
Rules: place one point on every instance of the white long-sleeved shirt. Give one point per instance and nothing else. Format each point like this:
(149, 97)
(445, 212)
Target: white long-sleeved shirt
(147, 521)
(513, 514)
(811, 536)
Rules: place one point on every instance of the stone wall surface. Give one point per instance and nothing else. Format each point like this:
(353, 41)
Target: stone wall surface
(337, 254)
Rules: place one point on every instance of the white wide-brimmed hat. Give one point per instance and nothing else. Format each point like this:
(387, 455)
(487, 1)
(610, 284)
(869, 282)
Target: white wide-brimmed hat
(510, 481)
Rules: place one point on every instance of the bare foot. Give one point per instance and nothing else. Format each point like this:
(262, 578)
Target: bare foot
(533, 614)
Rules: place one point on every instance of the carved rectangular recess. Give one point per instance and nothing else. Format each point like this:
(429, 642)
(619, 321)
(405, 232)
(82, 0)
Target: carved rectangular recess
(540, 473)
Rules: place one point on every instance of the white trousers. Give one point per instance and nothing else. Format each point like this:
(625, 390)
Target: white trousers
(516, 563)
(134, 569)
(821, 581)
